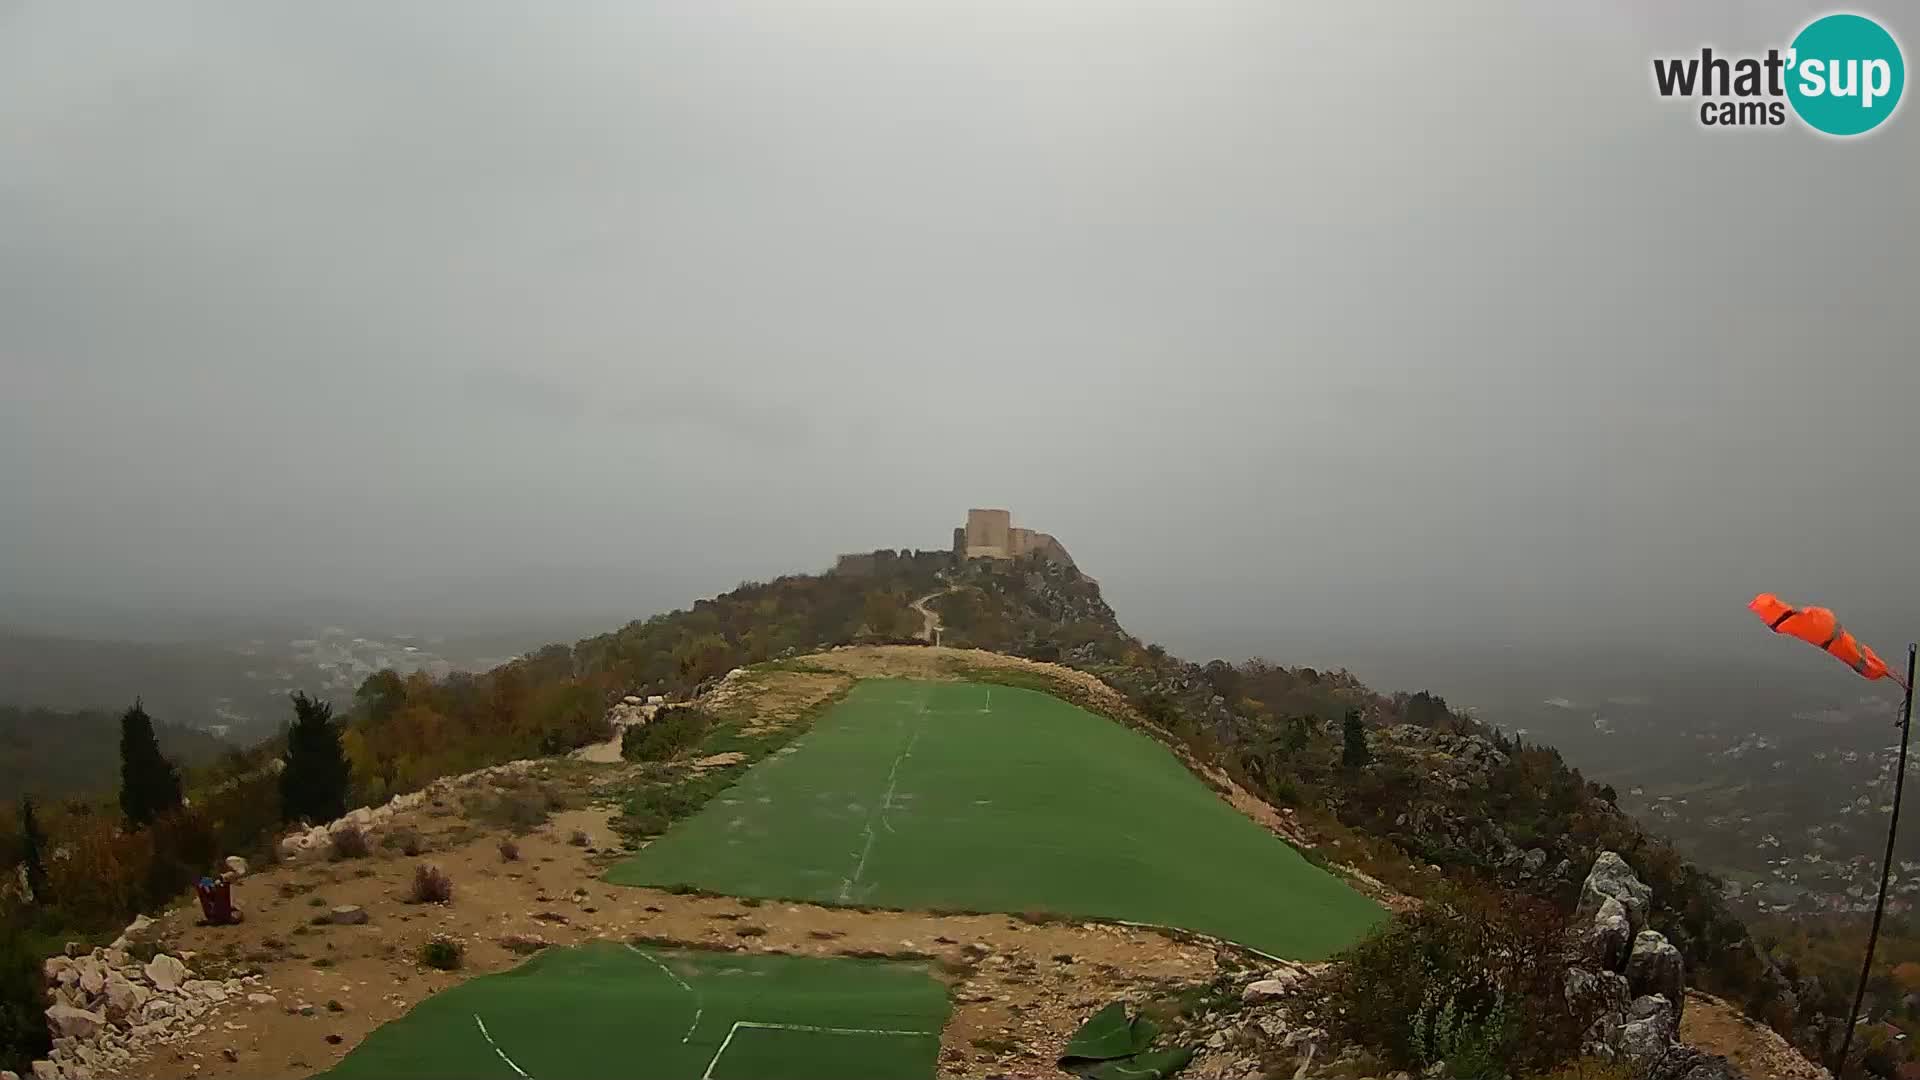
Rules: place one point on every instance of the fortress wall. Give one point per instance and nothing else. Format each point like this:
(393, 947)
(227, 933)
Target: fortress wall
(989, 534)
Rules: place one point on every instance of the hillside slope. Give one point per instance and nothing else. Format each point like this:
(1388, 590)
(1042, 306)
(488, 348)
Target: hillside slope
(1396, 792)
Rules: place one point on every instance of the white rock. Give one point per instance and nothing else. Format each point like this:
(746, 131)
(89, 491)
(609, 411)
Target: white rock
(166, 972)
(92, 981)
(123, 996)
(45, 1070)
(77, 1023)
(1265, 990)
(237, 866)
(260, 999)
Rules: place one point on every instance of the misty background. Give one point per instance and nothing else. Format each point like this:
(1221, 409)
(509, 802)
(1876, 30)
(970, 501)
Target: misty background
(1410, 338)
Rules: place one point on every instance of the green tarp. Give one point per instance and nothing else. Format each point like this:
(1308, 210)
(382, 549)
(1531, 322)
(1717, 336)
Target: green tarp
(1112, 1046)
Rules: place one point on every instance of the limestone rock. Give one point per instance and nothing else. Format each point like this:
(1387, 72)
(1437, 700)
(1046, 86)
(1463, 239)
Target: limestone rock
(1655, 967)
(45, 1070)
(166, 972)
(1606, 943)
(1612, 877)
(123, 996)
(76, 1023)
(237, 866)
(348, 915)
(1265, 990)
(92, 981)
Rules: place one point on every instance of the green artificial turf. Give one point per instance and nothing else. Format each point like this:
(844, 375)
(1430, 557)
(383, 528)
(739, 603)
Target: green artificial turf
(971, 797)
(618, 1010)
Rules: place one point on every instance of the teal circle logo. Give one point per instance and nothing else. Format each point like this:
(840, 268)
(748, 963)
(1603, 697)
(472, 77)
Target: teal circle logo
(1846, 74)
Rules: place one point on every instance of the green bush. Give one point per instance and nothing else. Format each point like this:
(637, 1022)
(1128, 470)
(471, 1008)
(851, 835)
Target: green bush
(672, 732)
(23, 1021)
(521, 810)
(443, 953)
(1470, 980)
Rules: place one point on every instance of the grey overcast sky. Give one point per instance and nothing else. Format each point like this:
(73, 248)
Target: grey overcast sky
(1291, 320)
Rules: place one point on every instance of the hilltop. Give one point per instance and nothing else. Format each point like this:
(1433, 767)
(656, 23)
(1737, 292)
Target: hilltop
(1432, 811)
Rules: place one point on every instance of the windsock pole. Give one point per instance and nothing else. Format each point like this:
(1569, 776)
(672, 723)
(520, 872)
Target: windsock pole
(1886, 867)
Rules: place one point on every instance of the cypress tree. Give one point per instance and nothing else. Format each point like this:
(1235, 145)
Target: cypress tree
(314, 784)
(149, 784)
(1356, 754)
(32, 843)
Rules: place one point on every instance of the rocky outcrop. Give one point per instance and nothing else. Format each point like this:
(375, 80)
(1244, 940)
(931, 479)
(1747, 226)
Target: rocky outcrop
(106, 1004)
(1655, 967)
(1605, 943)
(1611, 878)
(1633, 995)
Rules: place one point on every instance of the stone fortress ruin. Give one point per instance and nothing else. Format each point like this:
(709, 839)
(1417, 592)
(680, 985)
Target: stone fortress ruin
(991, 534)
(988, 534)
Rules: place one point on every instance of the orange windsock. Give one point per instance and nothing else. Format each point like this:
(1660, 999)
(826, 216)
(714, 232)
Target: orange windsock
(1821, 628)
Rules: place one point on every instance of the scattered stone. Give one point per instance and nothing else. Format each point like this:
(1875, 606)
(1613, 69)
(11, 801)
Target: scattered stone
(348, 915)
(166, 972)
(260, 999)
(92, 982)
(1265, 990)
(230, 1054)
(123, 996)
(74, 1023)
(334, 1039)
(237, 866)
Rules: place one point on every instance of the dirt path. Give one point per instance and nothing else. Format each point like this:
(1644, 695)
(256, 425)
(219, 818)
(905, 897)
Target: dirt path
(604, 753)
(1716, 1027)
(930, 619)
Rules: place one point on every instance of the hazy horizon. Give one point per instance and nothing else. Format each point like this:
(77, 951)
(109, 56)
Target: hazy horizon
(1308, 329)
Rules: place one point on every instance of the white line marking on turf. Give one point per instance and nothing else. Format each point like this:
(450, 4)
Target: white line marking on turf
(697, 1007)
(482, 1025)
(886, 803)
(738, 1024)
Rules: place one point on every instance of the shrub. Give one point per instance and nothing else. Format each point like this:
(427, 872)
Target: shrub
(1469, 980)
(509, 851)
(671, 732)
(443, 953)
(523, 944)
(431, 885)
(349, 842)
(407, 840)
(519, 810)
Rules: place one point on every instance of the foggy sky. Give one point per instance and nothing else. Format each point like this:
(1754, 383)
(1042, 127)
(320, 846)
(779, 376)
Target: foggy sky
(1294, 322)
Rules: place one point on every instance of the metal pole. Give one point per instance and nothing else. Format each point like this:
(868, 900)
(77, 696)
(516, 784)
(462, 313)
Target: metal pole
(1886, 868)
